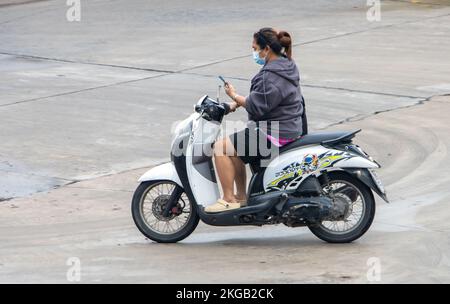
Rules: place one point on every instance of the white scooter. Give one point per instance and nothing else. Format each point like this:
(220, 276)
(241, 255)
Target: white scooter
(322, 181)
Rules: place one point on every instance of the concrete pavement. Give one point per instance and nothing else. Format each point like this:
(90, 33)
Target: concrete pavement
(91, 220)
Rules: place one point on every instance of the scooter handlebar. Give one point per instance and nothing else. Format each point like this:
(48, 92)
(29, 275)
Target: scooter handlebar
(227, 108)
(212, 110)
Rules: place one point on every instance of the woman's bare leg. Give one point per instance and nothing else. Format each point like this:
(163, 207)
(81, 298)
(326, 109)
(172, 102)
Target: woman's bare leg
(240, 178)
(225, 168)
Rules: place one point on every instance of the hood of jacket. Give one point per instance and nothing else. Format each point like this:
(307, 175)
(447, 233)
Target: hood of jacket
(285, 68)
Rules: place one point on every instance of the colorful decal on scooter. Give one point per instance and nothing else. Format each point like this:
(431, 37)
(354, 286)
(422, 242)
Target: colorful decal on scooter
(286, 175)
(310, 164)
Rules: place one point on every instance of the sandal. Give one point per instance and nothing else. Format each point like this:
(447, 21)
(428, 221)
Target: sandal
(243, 202)
(222, 205)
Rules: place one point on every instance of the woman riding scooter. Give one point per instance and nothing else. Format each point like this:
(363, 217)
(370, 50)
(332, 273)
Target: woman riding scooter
(275, 98)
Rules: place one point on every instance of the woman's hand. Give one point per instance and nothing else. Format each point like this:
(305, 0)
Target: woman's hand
(229, 89)
(238, 101)
(233, 106)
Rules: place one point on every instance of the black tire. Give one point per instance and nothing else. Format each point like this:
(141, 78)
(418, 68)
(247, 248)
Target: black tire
(367, 217)
(139, 220)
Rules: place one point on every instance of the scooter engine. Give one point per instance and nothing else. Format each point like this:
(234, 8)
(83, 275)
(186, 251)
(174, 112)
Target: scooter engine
(313, 210)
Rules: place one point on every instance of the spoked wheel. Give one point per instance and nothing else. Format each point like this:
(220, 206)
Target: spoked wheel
(154, 220)
(357, 205)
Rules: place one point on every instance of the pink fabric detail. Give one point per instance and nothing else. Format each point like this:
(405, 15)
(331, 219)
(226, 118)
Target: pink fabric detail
(279, 142)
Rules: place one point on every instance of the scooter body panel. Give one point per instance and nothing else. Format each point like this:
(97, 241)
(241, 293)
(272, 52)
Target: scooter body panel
(199, 167)
(289, 170)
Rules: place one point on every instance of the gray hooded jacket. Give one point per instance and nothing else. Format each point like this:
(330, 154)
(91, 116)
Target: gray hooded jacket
(275, 96)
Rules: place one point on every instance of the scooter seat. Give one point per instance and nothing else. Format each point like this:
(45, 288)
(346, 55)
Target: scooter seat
(321, 138)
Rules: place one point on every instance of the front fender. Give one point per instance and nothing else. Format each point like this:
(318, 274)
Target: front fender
(165, 171)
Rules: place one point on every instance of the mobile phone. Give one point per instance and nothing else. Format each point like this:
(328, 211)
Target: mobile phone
(223, 80)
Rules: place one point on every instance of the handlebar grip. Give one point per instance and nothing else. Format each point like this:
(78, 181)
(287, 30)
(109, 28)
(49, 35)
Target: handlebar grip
(227, 108)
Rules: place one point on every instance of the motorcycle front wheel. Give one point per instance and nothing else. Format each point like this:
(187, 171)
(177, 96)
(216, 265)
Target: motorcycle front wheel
(358, 202)
(148, 205)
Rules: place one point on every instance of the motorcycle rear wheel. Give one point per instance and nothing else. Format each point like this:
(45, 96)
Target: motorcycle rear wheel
(353, 191)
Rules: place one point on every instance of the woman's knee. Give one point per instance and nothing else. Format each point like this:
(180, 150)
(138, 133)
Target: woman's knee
(224, 147)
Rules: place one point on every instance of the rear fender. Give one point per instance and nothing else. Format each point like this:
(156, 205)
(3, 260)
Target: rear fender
(364, 176)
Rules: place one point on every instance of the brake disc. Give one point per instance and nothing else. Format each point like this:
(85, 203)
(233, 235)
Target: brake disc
(158, 206)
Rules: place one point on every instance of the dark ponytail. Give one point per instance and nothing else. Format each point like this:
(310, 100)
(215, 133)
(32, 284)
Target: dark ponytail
(279, 42)
(286, 42)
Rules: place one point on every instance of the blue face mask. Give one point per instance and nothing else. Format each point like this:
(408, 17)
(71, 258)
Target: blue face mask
(257, 59)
